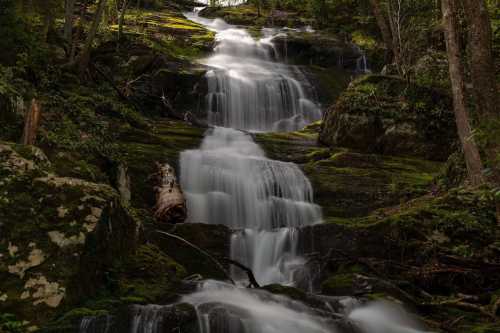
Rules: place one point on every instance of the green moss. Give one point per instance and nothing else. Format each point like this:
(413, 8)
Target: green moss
(290, 292)
(381, 114)
(148, 276)
(10, 324)
(338, 284)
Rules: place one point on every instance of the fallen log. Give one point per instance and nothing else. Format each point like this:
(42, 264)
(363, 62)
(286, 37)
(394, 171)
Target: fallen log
(170, 202)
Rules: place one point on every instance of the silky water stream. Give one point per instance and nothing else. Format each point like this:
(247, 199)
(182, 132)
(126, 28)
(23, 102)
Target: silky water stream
(230, 181)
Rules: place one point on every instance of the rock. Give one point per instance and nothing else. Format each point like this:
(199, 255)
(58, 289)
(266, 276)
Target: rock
(56, 234)
(408, 234)
(385, 115)
(347, 183)
(317, 48)
(142, 149)
(214, 239)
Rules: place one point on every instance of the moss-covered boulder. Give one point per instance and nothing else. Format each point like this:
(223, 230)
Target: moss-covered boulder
(431, 233)
(386, 115)
(148, 276)
(56, 234)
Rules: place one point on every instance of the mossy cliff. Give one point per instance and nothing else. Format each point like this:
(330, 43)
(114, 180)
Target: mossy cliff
(57, 234)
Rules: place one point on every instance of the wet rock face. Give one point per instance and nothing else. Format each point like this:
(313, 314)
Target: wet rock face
(53, 230)
(347, 183)
(144, 318)
(313, 48)
(380, 114)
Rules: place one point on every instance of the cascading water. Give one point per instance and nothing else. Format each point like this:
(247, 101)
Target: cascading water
(229, 180)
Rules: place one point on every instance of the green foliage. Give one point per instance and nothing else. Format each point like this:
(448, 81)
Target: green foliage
(9, 323)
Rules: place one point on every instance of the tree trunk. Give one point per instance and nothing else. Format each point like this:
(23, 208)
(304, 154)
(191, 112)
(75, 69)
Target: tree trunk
(31, 123)
(121, 19)
(481, 61)
(471, 152)
(170, 203)
(384, 29)
(395, 28)
(85, 55)
(483, 76)
(79, 33)
(68, 22)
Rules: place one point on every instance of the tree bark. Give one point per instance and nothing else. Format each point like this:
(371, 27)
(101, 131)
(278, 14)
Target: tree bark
(384, 29)
(68, 22)
(31, 123)
(483, 77)
(85, 55)
(481, 58)
(471, 151)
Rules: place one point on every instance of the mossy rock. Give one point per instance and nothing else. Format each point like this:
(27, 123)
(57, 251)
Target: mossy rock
(141, 150)
(290, 292)
(347, 183)
(149, 275)
(338, 285)
(50, 227)
(460, 222)
(318, 48)
(386, 115)
(214, 239)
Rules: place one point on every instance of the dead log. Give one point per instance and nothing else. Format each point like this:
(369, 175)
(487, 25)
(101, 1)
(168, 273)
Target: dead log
(31, 123)
(170, 202)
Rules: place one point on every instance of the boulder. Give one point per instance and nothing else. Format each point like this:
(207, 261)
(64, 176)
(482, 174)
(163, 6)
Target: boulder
(214, 239)
(386, 115)
(57, 234)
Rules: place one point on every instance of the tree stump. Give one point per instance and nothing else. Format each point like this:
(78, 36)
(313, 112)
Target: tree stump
(170, 202)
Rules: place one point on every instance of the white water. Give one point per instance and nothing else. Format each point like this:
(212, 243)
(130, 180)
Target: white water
(234, 310)
(248, 89)
(228, 180)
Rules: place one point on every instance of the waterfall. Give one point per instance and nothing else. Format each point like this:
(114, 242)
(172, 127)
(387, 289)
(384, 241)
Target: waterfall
(228, 180)
(223, 308)
(101, 324)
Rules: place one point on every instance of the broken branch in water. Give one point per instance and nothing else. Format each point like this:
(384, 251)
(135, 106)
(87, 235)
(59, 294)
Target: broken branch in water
(251, 276)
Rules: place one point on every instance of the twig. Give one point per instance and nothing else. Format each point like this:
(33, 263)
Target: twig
(251, 276)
